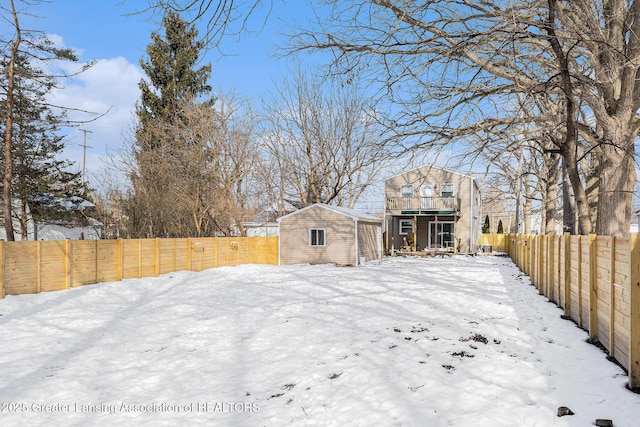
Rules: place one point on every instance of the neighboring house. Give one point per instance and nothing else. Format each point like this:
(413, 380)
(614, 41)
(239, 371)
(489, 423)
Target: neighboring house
(88, 228)
(323, 234)
(265, 223)
(432, 209)
(48, 231)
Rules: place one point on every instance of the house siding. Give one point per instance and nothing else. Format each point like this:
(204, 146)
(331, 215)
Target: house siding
(466, 222)
(368, 240)
(339, 235)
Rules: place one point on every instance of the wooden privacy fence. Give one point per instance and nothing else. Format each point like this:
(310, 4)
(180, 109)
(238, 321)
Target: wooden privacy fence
(498, 242)
(36, 266)
(596, 281)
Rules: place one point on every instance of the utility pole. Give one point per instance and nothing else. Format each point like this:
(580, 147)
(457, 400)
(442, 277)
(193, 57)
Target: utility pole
(84, 157)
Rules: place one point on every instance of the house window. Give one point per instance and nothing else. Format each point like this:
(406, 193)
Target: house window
(407, 190)
(317, 237)
(446, 190)
(441, 235)
(406, 226)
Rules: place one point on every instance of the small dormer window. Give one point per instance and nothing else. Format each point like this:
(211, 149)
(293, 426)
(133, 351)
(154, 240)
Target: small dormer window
(446, 190)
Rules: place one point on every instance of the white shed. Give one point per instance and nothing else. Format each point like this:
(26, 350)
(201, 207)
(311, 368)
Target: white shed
(324, 234)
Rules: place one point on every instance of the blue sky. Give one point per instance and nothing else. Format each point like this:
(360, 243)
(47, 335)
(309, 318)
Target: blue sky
(105, 31)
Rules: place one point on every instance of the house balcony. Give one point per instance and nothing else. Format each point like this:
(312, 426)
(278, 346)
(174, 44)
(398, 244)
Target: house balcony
(422, 205)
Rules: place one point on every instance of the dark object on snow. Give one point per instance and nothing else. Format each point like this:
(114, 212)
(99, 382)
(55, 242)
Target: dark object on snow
(563, 410)
(487, 248)
(604, 423)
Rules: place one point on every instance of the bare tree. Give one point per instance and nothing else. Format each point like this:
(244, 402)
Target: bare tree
(452, 66)
(324, 139)
(219, 17)
(197, 184)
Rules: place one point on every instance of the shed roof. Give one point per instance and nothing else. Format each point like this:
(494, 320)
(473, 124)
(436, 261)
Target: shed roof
(338, 209)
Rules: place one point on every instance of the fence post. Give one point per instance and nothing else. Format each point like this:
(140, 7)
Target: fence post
(567, 274)
(593, 295)
(540, 261)
(97, 265)
(119, 263)
(67, 263)
(552, 276)
(612, 293)
(38, 266)
(634, 312)
(579, 273)
(139, 258)
(2, 294)
(157, 256)
(189, 253)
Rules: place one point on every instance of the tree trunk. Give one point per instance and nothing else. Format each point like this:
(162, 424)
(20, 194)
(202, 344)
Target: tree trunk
(550, 206)
(615, 192)
(585, 225)
(568, 204)
(8, 137)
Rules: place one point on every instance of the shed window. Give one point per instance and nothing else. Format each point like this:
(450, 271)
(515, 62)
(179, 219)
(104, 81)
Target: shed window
(446, 190)
(317, 237)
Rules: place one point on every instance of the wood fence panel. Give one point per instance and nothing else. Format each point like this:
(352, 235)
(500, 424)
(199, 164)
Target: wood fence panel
(208, 254)
(197, 254)
(183, 256)
(584, 280)
(131, 258)
(147, 258)
(596, 280)
(634, 313)
(621, 301)
(498, 242)
(244, 251)
(108, 270)
(83, 262)
(603, 290)
(226, 249)
(31, 267)
(167, 256)
(20, 267)
(52, 266)
(576, 261)
(560, 271)
(266, 250)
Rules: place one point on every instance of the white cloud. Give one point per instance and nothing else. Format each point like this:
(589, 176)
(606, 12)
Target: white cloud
(111, 86)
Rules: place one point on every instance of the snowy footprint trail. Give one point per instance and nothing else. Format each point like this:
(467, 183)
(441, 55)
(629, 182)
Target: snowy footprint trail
(462, 341)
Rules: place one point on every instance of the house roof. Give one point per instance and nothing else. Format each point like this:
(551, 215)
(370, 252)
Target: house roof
(432, 167)
(338, 209)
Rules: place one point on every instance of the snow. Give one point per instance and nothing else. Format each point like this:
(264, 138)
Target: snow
(462, 341)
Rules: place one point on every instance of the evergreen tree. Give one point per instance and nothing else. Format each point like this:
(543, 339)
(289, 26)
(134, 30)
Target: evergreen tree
(486, 229)
(22, 47)
(172, 77)
(41, 186)
(500, 228)
(165, 145)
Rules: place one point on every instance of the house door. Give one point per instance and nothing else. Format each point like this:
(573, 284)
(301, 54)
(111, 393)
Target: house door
(426, 196)
(441, 235)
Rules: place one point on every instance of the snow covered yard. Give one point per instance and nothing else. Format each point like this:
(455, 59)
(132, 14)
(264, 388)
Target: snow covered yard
(408, 342)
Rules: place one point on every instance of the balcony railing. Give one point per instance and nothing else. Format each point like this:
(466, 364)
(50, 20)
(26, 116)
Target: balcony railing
(423, 204)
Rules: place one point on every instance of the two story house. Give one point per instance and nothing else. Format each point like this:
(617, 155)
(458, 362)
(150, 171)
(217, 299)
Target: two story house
(432, 209)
